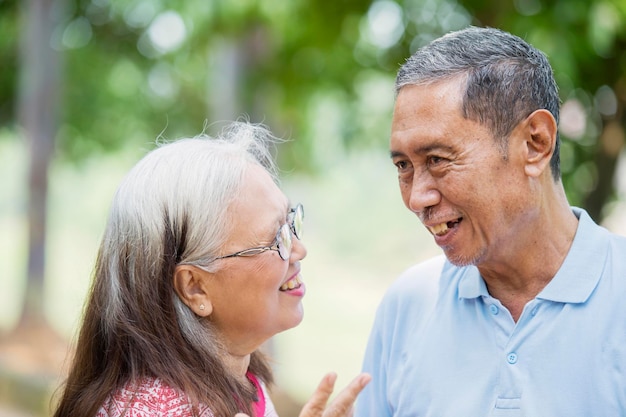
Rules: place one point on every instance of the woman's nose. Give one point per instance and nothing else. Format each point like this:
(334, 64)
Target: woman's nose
(298, 250)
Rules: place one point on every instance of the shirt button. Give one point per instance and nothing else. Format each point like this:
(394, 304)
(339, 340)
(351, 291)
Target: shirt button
(494, 309)
(511, 358)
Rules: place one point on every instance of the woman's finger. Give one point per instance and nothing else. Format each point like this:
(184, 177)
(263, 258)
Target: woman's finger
(342, 405)
(317, 403)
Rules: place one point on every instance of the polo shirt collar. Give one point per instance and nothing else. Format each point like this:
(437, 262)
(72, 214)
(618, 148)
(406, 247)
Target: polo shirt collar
(576, 278)
(471, 284)
(581, 270)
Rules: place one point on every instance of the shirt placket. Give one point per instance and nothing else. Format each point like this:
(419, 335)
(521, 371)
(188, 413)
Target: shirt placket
(508, 390)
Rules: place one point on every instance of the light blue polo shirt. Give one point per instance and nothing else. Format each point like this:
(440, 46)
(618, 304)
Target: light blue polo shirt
(441, 346)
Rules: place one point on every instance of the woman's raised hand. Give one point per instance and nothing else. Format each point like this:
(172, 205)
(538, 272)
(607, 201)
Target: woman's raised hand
(341, 406)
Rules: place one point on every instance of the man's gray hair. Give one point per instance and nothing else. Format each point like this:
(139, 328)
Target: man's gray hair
(506, 79)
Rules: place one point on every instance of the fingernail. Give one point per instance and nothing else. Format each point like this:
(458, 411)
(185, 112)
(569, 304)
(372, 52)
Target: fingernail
(365, 379)
(331, 377)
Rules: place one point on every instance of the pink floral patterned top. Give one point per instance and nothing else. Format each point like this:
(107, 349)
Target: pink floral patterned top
(154, 398)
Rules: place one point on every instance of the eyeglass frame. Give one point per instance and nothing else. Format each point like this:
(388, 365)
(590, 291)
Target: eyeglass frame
(275, 245)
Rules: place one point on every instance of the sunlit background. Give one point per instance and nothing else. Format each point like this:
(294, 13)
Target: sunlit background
(87, 87)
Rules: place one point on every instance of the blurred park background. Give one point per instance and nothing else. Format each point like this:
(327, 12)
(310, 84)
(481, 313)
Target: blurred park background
(87, 87)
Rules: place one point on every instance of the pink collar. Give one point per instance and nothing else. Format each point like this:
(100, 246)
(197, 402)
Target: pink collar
(259, 405)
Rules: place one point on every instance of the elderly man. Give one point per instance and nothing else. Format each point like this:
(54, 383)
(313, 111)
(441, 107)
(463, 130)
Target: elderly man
(525, 315)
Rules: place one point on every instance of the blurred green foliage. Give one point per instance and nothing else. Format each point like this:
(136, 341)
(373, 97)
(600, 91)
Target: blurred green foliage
(320, 72)
(8, 60)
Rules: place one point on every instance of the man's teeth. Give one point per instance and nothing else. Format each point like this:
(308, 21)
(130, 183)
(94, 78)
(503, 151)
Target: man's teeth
(443, 228)
(291, 284)
(439, 229)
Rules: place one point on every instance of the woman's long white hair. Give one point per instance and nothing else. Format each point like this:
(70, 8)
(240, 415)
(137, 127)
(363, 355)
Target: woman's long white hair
(171, 208)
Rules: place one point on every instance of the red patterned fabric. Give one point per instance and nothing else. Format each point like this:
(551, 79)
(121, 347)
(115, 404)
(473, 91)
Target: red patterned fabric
(151, 398)
(154, 398)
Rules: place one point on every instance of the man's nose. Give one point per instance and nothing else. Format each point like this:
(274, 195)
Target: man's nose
(424, 193)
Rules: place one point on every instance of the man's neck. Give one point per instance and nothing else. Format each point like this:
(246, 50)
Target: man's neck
(522, 275)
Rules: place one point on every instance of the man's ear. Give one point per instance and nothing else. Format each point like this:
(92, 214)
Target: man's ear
(540, 134)
(188, 284)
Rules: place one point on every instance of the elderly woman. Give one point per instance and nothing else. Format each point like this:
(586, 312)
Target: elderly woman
(198, 267)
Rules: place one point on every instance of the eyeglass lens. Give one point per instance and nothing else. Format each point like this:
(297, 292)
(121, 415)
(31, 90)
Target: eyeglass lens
(294, 225)
(284, 242)
(297, 220)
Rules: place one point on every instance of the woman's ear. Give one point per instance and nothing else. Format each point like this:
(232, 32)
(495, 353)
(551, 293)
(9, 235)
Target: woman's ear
(188, 284)
(540, 133)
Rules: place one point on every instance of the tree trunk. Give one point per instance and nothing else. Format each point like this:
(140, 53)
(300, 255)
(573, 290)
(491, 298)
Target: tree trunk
(38, 101)
(33, 352)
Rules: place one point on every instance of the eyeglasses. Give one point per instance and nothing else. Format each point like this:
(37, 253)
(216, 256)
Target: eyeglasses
(282, 243)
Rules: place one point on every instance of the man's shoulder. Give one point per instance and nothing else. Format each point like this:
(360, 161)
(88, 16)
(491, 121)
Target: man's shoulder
(429, 267)
(422, 280)
(414, 296)
(617, 240)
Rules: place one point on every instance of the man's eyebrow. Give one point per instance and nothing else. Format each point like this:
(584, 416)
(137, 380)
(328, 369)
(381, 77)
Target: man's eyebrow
(423, 149)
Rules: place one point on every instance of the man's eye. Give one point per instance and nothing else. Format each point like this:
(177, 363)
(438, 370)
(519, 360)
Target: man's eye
(401, 165)
(434, 160)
